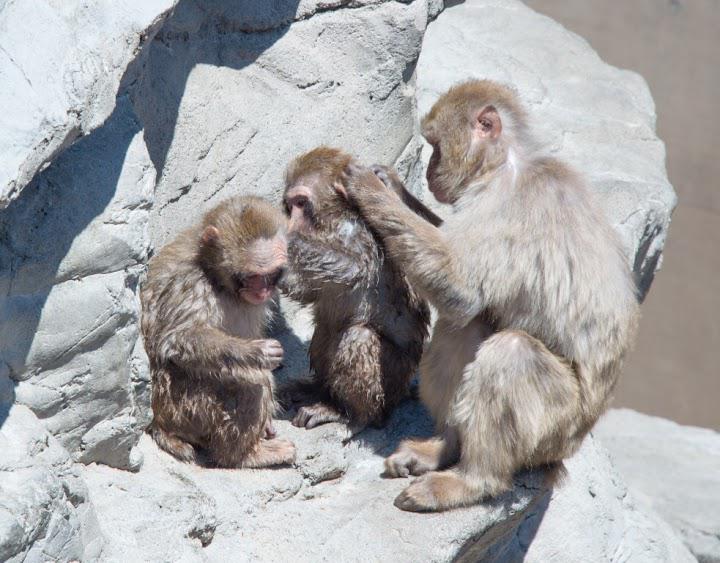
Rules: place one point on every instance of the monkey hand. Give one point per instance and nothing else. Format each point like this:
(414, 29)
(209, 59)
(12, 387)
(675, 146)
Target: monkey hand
(358, 179)
(270, 352)
(389, 177)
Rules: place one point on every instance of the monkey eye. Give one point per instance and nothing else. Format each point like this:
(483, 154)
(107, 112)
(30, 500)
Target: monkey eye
(300, 201)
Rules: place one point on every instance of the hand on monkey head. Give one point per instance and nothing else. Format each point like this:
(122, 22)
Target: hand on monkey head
(357, 177)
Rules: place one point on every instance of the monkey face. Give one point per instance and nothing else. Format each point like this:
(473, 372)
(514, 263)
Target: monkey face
(300, 207)
(257, 273)
(466, 132)
(257, 288)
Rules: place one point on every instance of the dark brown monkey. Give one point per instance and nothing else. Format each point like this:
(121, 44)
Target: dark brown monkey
(536, 303)
(205, 305)
(369, 325)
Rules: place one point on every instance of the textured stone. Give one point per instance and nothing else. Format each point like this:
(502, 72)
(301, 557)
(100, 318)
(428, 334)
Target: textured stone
(73, 250)
(44, 513)
(672, 468)
(60, 66)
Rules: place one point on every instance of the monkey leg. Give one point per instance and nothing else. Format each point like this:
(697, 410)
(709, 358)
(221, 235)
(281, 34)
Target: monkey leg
(172, 444)
(369, 375)
(517, 405)
(310, 416)
(416, 457)
(234, 421)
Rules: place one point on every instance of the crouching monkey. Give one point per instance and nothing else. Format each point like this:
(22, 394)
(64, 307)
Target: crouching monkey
(204, 308)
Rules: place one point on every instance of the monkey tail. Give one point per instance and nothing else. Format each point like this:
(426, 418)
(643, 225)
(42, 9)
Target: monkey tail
(182, 450)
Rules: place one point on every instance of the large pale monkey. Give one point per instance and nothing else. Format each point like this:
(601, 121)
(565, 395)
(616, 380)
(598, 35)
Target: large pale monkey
(536, 302)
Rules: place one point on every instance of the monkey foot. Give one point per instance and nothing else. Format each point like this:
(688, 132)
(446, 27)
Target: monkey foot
(436, 491)
(414, 457)
(418, 497)
(314, 415)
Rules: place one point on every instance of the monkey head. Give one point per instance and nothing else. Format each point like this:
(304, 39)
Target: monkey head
(311, 180)
(471, 128)
(243, 248)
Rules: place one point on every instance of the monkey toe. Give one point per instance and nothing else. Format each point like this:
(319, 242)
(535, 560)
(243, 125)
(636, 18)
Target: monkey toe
(314, 415)
(397, 465)
(418, 497)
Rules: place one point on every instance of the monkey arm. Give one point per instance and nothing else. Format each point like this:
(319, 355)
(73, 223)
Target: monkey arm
(421, 250)
(204, 348)
(318, 261)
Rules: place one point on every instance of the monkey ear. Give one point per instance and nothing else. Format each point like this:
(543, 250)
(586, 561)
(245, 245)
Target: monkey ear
(488, 124)
(210, 235)
(340, 190)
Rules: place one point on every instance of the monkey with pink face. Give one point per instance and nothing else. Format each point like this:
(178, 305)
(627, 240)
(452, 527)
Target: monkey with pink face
(535, 299)
(205, 306)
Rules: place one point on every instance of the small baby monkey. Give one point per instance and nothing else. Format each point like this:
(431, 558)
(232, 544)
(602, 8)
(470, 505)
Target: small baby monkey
(370, 325)
(205, 305)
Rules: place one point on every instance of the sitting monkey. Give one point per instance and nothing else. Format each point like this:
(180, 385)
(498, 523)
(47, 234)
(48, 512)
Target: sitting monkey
(204, 308)
(370, 326)
(535, 299)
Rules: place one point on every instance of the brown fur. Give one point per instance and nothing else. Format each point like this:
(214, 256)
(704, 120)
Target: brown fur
(535, 299)
(212, 387)
(370, 326)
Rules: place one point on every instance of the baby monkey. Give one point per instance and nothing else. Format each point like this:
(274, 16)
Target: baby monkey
(205, 305)
(370, 325)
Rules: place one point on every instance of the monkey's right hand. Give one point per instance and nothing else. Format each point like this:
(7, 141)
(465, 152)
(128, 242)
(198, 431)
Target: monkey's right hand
(270, 352)
(389, 177)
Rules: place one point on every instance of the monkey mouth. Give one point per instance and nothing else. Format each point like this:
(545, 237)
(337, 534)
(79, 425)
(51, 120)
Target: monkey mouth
(257, 296)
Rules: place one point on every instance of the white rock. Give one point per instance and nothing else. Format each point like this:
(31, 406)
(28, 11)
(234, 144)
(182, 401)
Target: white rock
(44, 513)
(60, 66)
(673, 469)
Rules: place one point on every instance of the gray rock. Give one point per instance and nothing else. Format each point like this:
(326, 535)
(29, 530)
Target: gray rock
(44, 510)
(173, 511)
(599, 118)
(60, 66)
(672, 468)
(73, 250)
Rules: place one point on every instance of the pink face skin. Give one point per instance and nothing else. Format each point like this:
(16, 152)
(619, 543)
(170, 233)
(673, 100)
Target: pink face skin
(266, 258)
(296, 199)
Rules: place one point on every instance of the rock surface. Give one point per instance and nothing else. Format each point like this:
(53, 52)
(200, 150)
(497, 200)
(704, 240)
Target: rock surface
(214, 106)
(60, 66)
(170, 511)
(672, 468)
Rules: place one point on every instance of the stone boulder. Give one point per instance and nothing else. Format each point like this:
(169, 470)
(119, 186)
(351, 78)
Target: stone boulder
(60, 66)
(335, 506)
(672, 468)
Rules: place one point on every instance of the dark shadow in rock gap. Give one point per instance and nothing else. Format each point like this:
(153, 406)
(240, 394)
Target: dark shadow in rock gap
(510, 540)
